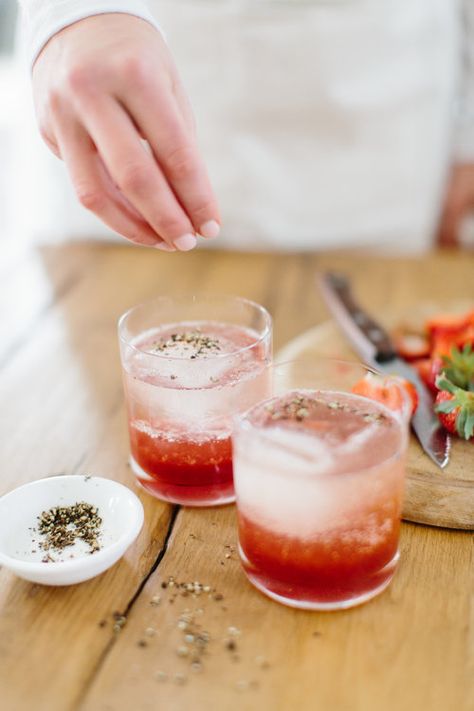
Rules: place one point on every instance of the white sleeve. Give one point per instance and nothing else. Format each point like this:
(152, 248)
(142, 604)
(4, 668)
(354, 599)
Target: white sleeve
(41, 19)
(464, 130)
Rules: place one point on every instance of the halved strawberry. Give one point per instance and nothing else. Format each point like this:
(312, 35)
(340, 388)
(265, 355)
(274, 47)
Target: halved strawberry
(411, 345)
(388, 390)
(429, 369)
(455, 408)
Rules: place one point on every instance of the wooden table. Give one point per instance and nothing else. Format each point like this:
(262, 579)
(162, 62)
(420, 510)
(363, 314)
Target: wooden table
(62, 411)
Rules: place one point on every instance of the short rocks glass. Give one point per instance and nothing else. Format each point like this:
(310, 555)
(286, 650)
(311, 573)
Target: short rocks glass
(190, 365)
(319, 474)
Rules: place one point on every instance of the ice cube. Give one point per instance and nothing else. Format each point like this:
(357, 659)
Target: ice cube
(279, 479)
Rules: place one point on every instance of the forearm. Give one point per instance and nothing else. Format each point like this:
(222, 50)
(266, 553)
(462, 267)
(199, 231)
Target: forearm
(44, 18)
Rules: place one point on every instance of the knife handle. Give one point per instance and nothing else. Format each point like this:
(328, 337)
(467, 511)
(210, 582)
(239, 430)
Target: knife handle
(369, 339)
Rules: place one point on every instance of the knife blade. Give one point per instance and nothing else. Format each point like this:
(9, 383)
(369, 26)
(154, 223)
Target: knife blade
(374, 346)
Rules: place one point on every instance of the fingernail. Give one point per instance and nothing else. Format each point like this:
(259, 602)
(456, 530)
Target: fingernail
(210, 229)
(164, 247)
(185, 242)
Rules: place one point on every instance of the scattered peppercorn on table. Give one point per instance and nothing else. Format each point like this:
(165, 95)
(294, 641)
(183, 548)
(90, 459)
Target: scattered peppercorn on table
(175, 624)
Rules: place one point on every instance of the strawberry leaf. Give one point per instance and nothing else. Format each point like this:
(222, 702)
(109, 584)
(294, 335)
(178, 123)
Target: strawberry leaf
(461, 423)
(469, 426)
(446, 406)
(442, 383)
(458, 367)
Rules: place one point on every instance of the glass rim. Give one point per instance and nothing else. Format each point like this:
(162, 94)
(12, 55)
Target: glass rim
(242, 424)
(203, 297)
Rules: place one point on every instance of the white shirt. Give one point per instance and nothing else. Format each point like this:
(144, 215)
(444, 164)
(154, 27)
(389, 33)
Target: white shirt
(324, 124)
(44, 18)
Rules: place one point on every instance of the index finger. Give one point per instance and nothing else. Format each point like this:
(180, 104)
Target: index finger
(157, 115)
(136, 172)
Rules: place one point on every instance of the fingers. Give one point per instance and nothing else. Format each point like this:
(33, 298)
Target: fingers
(114, 77)
(175, 149)
(184, 107)
(94, 188)
(449, 228)
(135, 171)
(52, 144)
(454, 209)
(459, 203)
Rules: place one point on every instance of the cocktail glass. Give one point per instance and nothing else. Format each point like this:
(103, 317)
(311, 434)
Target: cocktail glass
(190, 365)
(319, 474)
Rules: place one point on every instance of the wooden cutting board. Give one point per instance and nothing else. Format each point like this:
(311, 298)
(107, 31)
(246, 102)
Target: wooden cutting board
(432, 496)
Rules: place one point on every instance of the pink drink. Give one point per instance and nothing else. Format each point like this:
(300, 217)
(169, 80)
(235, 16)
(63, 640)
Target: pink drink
(184, 383)
(319, 484)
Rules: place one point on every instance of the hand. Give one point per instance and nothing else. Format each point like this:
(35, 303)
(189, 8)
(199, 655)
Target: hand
(459, 202)
(101, 86)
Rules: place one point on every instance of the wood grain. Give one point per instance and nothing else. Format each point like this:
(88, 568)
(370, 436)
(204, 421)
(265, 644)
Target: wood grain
(399, 651)
(62, 412)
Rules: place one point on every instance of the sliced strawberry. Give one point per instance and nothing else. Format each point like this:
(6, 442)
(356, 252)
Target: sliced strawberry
(446, 325)
(466, 337)
(455, 408)
(411, 391)
(442, 344)
(387, 390)
(436, 368)
(411, 345)
(429, 369)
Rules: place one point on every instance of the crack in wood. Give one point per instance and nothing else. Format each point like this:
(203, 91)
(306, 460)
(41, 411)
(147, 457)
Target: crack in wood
(174, 514)
(128, 608)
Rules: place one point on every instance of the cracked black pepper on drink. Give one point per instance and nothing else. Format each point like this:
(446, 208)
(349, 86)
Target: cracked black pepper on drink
(200, 343)
(298, 408)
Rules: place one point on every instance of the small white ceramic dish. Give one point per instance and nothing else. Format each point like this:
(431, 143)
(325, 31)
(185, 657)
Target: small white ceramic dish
(122, 518)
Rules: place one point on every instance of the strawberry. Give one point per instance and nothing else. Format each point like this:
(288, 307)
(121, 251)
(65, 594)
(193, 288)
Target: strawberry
(412, 393)
(387, 390)
(455, 408)
(447, 419)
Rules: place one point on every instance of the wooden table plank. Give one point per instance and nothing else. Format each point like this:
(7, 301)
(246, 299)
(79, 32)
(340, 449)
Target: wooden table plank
(30, 285)
(64, 414)
(411, 647)
(406, 649)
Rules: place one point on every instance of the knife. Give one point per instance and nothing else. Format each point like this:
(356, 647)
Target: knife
(374, 346)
